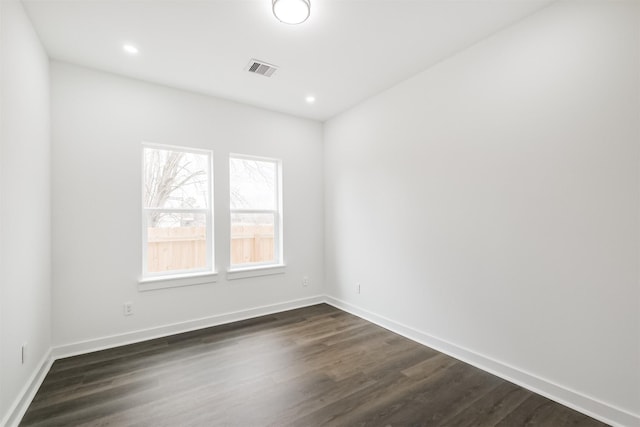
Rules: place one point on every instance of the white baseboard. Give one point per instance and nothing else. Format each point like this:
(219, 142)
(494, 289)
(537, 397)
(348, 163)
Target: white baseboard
(111, 341)
(28, 392)
(587, 405)
(571, 398)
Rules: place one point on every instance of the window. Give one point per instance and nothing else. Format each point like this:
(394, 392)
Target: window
(177, 215)
(256, 218)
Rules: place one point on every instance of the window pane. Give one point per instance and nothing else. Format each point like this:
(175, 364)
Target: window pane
(176, 241)
(175, 179)
(252, 184)
(252, 238)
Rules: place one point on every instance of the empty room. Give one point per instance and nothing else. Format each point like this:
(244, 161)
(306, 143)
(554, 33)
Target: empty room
(320, 213)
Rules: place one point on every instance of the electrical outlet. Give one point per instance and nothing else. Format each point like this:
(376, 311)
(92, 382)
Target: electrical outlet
(128, 308)
(305, 281)
(23, 353)
(358, 287)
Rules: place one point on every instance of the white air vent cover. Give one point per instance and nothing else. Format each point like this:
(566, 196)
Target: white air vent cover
(261, 67)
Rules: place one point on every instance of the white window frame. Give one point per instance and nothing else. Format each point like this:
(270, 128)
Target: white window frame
(263, 268)
(174, 278)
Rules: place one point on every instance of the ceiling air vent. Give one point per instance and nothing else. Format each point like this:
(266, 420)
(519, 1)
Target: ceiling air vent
(260, 67)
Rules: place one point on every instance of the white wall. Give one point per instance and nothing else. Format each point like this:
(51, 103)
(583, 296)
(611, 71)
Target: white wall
(25, 248)
(99, 122)
(492, 202)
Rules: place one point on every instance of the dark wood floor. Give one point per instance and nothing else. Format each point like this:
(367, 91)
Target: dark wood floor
(308, 367)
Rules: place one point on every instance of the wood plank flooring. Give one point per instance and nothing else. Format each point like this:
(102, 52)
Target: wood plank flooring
(307, 367)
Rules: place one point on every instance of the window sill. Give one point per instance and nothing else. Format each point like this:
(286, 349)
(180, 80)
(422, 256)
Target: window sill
(263, 270)
(176, 280)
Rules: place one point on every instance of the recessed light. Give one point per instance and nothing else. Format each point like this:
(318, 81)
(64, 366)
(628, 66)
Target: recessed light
(310, 99)
(130, 49)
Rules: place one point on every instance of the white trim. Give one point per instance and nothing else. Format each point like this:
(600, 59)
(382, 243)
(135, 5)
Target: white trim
(178, 210)
(163, 282)
(253, 211)
(82, 347)
(588, 405)
(170, 147)
(207, 212)
(262, 270)
(278, 213)
(25, 397)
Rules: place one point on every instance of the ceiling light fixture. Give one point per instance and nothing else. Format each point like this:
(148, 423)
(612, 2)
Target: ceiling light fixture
(130, 49)
(310, 99)
(292, 11)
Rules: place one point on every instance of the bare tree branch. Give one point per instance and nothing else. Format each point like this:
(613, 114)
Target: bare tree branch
(165, 173)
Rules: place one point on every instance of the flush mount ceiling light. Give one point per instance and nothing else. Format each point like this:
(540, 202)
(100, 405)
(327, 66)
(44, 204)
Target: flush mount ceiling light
(292, 11)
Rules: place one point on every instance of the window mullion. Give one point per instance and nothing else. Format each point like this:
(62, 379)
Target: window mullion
(253, 211)
(178, 210)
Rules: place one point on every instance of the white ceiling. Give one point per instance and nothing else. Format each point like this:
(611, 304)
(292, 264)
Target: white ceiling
(347, 51)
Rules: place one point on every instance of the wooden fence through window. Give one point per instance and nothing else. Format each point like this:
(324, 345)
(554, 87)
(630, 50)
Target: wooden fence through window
(183, 248)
